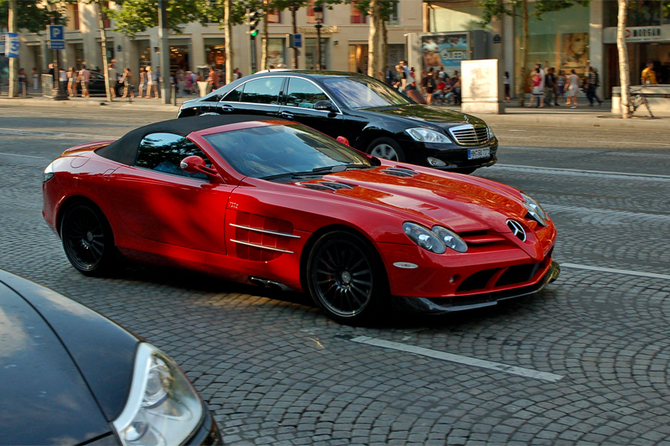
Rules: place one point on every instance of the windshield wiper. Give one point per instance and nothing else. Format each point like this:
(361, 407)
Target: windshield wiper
(316, 171)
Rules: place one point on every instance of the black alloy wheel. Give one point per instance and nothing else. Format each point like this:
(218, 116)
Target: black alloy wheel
(345, 278)
(87, 239)
(386, 148)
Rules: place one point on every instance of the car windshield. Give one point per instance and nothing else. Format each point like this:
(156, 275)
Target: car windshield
(361, 92)
(284, 152)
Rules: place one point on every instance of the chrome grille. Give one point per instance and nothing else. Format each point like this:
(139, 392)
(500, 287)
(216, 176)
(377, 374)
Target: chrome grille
(470, 135)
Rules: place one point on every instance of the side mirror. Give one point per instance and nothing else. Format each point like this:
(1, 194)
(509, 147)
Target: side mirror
(324, 105)
(195, 164)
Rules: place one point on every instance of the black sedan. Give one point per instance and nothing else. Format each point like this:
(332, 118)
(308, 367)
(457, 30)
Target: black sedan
(71, 376)
(373, 117)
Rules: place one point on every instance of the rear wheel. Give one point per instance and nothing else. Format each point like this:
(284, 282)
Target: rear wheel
(386, 148)
(345, 278)
(87, 239)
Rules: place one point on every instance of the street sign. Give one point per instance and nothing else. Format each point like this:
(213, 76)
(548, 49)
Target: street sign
(12, 43)
(295, 41)
(56, 37)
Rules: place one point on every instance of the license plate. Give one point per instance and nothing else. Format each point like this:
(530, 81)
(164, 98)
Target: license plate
(474, 154)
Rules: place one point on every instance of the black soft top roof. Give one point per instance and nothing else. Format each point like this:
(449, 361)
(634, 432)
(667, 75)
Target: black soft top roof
(124, 150)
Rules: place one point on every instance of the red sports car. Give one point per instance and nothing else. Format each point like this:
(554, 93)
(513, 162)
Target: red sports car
(279, 204)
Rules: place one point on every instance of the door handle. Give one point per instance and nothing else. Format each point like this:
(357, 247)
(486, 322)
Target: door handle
(286, 115)
(227, 108)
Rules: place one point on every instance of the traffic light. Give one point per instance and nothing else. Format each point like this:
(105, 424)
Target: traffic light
(254, 20)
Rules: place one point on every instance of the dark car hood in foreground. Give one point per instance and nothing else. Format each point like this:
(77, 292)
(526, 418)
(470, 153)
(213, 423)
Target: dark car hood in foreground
(64, 369)
(424, 113)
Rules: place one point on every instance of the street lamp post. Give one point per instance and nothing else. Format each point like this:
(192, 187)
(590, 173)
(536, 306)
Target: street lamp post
(318, 17)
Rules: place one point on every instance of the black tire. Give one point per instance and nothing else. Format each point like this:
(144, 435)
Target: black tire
(345, 278)
(386, 148)
(87, 239)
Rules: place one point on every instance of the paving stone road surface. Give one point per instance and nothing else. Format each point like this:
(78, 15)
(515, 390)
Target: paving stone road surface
(584, 362)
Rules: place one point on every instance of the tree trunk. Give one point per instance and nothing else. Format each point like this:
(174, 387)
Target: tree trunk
(623, 59)
(385, 48)
(295, 31)
(264, 54)
(105, 63)
(228, 35)
(373, 39)
(521, 85)
(13, 90)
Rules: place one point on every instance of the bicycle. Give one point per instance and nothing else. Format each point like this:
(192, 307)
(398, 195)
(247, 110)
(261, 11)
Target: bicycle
(637, 99)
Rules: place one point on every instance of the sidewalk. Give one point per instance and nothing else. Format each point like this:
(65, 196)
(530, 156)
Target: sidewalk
(583, 116)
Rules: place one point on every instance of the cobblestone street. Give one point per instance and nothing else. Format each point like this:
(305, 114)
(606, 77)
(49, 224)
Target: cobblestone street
(584, 362)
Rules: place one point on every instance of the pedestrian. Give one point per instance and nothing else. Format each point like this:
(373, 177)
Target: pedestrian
(142, 84)
(536, 89)
(84, 78)
(151, 83)
(113, 79)
(127, 81)
(213, 79)
(456, 88)
(550, 88)
(431, 86)
(593, 83)
(36, 78)
(71, 82)
(506, 83)
(573, 89)
(560, 85)
(649, 75)
(23, 82)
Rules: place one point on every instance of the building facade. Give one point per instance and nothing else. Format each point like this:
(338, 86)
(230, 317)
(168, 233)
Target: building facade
(574, 38)
(344, 41)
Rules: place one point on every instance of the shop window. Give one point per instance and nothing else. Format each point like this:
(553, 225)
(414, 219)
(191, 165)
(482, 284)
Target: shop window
(394, 18)
(75, 16)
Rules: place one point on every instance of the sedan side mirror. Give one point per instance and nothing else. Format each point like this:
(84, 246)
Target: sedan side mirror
(324, 105)
(195, 164)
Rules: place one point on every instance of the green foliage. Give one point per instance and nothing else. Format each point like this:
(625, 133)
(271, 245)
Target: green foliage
(387, 7)
(136, 16)
(498, 8)
(33, 15)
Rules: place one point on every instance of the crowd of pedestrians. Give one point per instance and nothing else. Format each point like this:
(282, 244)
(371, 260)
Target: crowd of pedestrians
(548, 87)
(434, 86)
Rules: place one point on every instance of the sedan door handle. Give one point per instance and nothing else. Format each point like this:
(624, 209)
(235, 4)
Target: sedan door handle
(227, 108)
(286, 115)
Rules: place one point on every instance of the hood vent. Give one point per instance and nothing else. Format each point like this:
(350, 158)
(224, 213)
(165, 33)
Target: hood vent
(470, 135)
(400, 172)
(327, 185)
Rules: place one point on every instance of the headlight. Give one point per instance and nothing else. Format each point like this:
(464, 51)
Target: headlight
(450, 239)
(162, 408)
(49, 172)
(423, 237)
(489, 132)
(427, 135)
(535, 210)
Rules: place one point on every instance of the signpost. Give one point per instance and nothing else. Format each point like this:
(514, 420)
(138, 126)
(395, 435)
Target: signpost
(12, 44)
(56, 37)
(57, 42)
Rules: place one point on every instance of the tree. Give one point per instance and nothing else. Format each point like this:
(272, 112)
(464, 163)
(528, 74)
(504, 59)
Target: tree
(519, 8)
(623, 59)
(31, 15)
(380, 12)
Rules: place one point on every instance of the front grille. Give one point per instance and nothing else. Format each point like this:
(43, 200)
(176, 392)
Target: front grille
(517, 274)
(469, 135)
(477, 281)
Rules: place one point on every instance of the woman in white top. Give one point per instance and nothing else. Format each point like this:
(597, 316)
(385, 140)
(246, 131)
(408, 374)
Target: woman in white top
(573, 89)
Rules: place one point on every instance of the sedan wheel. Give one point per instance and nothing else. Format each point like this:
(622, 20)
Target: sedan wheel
(87, 239)
(344, 277)
(386, 148)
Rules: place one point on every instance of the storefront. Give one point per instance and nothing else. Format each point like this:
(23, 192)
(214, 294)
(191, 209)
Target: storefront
(215, 52)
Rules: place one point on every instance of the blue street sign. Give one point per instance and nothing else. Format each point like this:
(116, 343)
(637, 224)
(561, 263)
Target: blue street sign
(297, 42)
(56, 37)
(12, 44)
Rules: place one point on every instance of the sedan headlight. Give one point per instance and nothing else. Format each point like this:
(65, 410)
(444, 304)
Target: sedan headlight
(428, 135)
(450, 239)
(535, 210)
(162, 408)
(489, 132)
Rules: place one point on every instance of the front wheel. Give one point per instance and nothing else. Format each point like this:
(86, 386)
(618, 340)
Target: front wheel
(87, 239)
(345, 278)
(386, 148)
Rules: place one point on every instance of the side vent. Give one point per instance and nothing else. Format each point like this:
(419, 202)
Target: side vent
(400, 172)
(327, 185)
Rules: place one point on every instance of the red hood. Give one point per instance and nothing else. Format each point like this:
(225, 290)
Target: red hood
(460, 202)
